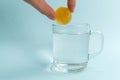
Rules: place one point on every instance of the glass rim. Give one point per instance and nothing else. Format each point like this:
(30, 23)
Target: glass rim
(74, 29)
(72, 25)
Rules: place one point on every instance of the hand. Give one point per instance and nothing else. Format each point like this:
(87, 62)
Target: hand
(45, 9)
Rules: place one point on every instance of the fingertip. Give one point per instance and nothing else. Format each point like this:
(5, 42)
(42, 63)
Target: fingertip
(71, 5)
(52, 17)
(71, 9)
(50, 13)
(42, 7)
(47, 10)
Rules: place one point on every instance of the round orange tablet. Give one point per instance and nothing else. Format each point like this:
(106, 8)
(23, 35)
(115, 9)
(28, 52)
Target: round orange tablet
(63, 15)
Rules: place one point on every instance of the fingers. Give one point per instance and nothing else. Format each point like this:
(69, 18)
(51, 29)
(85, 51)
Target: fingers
(43, 7)
(71, 5)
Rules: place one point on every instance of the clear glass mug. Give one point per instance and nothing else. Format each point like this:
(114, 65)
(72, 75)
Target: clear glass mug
(71, 46)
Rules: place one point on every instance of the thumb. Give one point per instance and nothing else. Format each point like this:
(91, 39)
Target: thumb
(43, 7)
(71, 5)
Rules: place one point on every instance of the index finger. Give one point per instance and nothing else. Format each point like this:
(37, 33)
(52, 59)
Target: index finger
(43, 7)
(71, 5)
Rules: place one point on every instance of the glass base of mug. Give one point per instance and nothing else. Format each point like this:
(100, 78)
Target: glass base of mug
(69, 67)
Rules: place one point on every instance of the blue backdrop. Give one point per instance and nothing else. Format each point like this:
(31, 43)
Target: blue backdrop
(26, 40)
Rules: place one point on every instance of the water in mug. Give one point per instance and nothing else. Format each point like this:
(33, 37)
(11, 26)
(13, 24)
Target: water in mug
(70, 50)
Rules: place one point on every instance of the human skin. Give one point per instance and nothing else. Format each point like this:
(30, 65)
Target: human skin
(47, 10)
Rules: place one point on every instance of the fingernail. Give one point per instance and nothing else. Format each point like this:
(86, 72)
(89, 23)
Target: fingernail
(52, 17)
(72, 10)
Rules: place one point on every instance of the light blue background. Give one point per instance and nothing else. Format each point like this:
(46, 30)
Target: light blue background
(26, 41)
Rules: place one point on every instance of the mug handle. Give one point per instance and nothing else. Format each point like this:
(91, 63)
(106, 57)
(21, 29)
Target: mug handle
(95, 44)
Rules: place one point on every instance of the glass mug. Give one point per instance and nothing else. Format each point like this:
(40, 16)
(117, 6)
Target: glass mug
(71, 47)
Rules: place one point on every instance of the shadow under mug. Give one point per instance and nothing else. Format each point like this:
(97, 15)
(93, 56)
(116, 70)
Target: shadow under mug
(72, 46)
